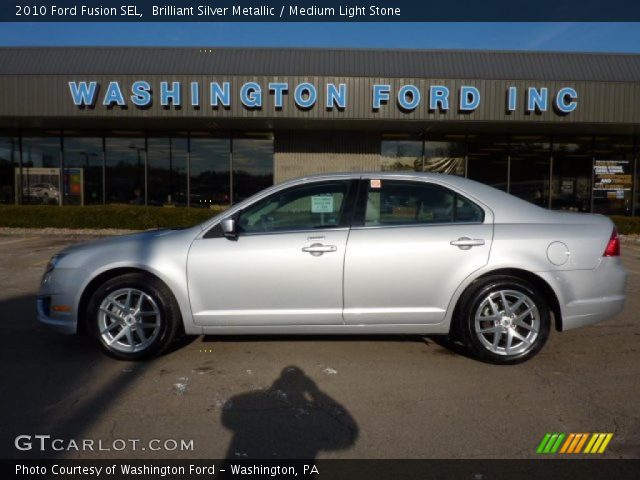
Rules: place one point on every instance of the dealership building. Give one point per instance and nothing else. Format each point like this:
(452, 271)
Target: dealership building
(195, 127)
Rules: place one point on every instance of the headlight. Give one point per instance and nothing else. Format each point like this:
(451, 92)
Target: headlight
(53, 262)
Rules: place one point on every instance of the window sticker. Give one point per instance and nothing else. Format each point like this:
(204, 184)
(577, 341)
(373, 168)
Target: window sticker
(376, 183)
(322, 204)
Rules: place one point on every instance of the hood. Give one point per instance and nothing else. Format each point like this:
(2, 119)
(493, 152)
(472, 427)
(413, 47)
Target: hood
(114, 241)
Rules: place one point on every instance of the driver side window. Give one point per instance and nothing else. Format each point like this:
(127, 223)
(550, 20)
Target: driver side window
(304, 207)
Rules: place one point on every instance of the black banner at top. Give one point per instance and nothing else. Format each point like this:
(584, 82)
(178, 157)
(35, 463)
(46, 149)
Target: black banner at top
(319, 11)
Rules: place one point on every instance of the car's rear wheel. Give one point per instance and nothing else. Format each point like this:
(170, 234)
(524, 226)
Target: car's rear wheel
(504, 320)
(133, 316)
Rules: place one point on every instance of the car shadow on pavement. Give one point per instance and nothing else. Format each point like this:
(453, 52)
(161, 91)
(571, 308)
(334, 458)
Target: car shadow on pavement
(53, 384)
(312, 338)
(447, 345)
(292, 419)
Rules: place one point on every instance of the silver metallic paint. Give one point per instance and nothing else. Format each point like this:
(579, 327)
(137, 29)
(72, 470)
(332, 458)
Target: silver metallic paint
(378, 279)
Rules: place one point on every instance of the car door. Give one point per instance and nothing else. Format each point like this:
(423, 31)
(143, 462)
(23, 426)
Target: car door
(412, 246)
(285, 265)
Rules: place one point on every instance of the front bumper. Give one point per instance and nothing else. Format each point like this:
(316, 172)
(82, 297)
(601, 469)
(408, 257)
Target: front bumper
(62, 322)
(58, 289)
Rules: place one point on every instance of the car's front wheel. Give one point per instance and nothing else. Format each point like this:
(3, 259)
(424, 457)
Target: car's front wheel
(504, 320)
(133, 316)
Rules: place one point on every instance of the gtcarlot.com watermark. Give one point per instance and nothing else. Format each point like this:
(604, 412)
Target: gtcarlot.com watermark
(45, 443)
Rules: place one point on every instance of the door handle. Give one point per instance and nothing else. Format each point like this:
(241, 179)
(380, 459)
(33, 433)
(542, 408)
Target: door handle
(317, 249)
(465, 243)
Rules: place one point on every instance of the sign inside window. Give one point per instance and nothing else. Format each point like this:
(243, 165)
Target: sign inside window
(612, 175)
(322, 204)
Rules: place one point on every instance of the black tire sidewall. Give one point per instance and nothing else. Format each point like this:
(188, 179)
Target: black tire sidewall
(478, 293)
(152, 287)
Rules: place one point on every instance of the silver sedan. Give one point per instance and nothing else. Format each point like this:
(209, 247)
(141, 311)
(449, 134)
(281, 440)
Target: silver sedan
(354, 253)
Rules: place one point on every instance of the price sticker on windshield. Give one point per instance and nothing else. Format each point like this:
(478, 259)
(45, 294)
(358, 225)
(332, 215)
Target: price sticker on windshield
(376, 183)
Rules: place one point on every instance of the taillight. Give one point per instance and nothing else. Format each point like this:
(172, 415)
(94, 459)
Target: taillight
(613, 247)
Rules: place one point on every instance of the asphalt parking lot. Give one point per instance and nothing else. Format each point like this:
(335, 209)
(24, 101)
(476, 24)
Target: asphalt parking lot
(351, 397)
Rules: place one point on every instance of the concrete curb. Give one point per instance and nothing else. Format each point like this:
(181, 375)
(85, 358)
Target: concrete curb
(630, 239)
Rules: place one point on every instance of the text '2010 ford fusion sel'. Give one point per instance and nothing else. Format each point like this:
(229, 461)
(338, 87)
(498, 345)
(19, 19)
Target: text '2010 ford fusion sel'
(354, 253)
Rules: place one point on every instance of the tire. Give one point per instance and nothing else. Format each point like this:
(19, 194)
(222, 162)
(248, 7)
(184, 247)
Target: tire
(502, 335)
(143, 330)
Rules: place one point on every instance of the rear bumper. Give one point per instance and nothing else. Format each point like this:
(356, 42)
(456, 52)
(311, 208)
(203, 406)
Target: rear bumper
(587, 312)
(589, 296)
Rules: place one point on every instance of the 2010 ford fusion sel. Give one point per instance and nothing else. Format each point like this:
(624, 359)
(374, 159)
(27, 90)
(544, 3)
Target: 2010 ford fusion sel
(353, 253)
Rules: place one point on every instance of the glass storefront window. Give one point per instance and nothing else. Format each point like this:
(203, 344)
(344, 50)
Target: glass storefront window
(445, 154)
(209, 170)
(582, 173)
(9, 161)
(252, 166)
(636, 184)
(41, 170)
(571, 179)
(83, 165)
(401, 152)
(488, 160)
(167, 170)
(613, 167)
(530, 164)
(125, 182)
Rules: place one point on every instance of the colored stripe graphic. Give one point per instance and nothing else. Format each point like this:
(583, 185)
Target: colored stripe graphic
(556, 445)
(567, 442)
(543, 443)
(550, 443)
(577, 442)
(583, 439)
(598, 442)
(573, 443)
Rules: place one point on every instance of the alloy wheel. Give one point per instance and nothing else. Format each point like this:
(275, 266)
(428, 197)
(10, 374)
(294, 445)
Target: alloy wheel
(507, 322)
(129, 320)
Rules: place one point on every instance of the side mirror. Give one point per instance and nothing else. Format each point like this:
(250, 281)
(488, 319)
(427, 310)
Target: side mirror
(228, 226)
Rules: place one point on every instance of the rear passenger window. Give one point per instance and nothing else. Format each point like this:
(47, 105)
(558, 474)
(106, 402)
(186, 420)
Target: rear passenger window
(397, 202)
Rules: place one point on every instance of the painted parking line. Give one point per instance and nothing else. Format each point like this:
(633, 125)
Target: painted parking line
(40, 263)
(18, 240)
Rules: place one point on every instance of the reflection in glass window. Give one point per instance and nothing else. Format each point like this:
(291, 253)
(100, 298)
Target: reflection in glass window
(392, 202)
(83, 162)
(252, 166)
(41, 170)
(445, 154)
(530, 162)
(306, 207)
(125, 170)
(488, 160)
(9, 161)
(613, 175)
(571, 180)
(210, 175)
(636, 210)
(403, 153)
(167, 170)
